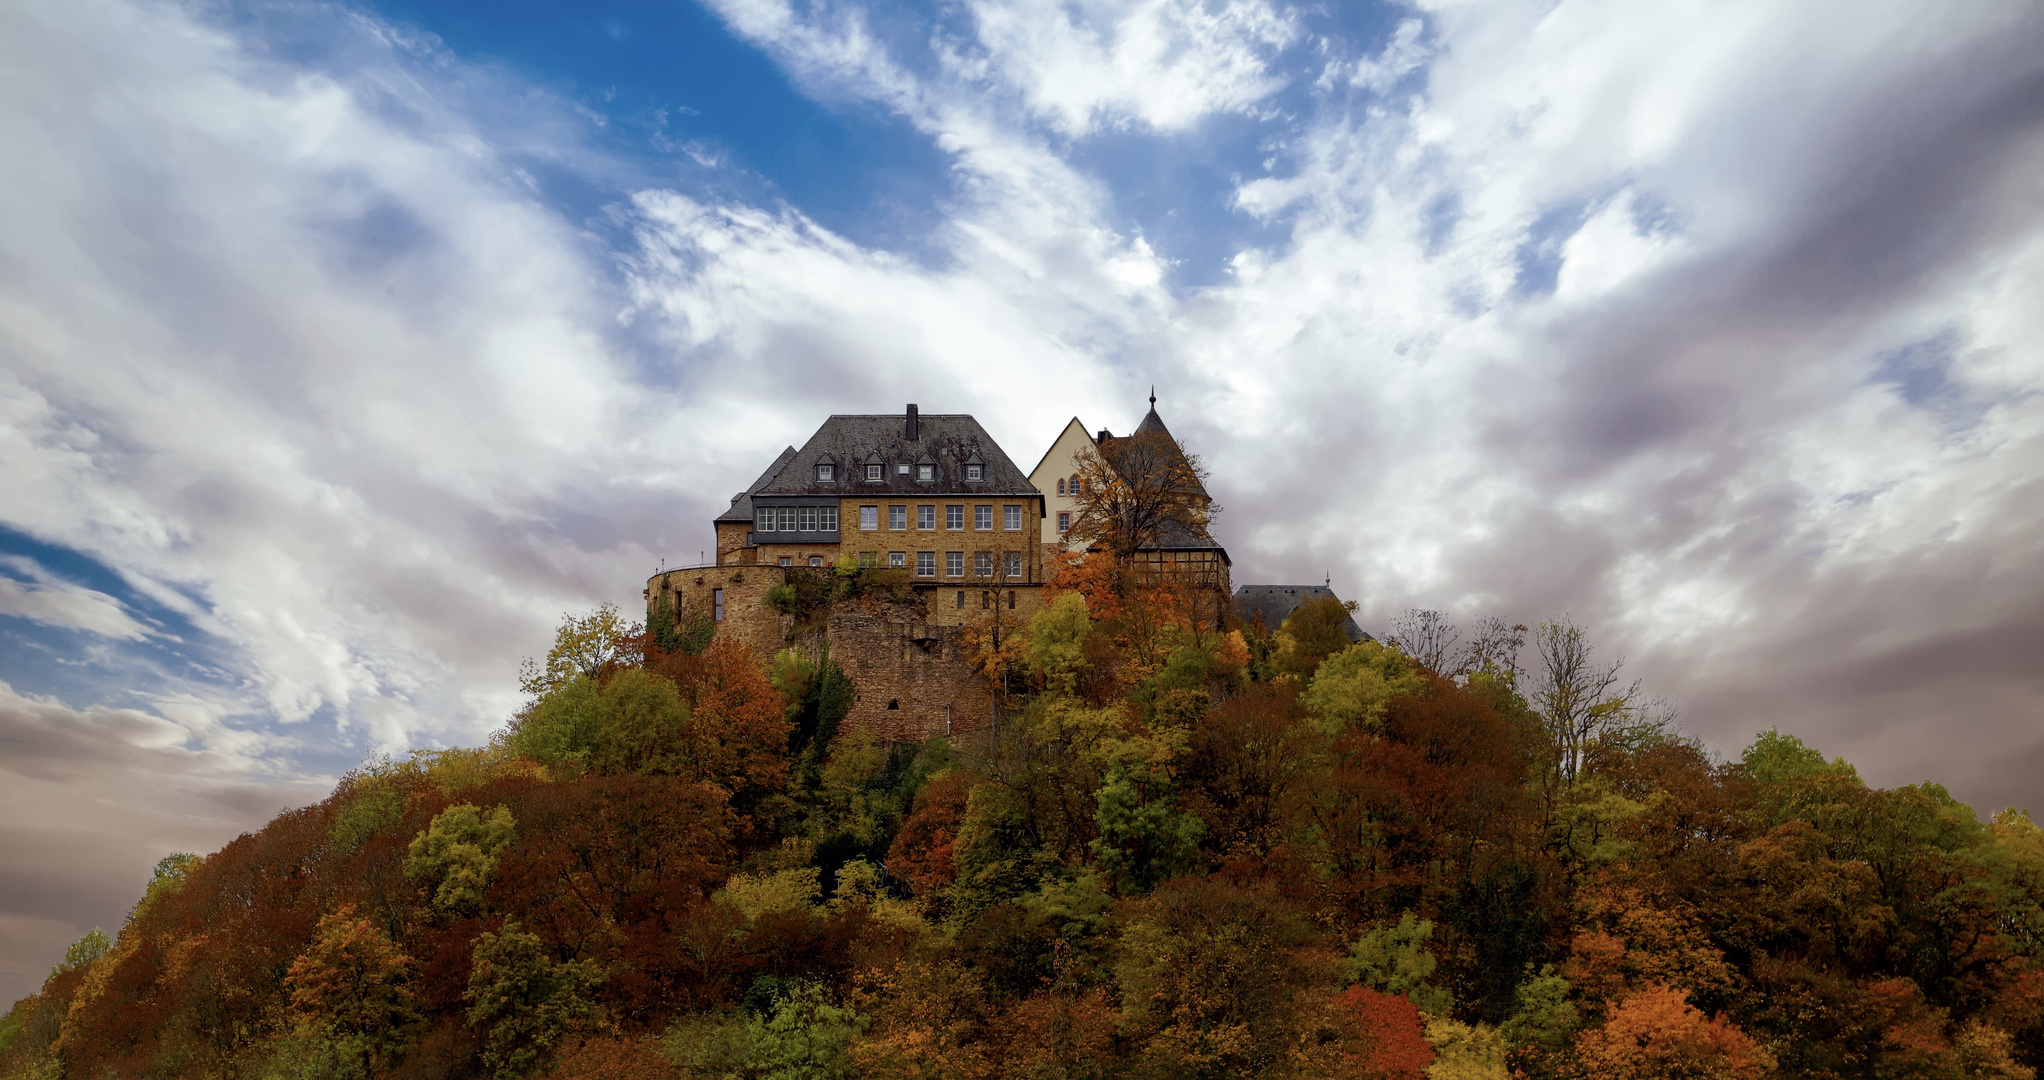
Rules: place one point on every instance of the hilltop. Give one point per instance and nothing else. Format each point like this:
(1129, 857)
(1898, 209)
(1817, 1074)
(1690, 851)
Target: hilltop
(1186, 847)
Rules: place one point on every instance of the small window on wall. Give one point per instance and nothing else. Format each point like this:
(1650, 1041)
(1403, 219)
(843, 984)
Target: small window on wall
(1011, 518)
(1014, 564)
(926, 473)
(1061, 485)
(827, 519)
(901, 470)
(926, 517)
(982, 517)
(961, 599)
(763, 521)
(986, 600)
(717, 605)
(897, 558)
(954, 564)
(786, 561)
(1011, 599)
(824, 473)
(873, 472)
(926, 564)
(869, 558)
(897, 517)
(954, 517)
(1064, 521)
(816, 560)
(869, 518)
(982, 564)
(808, 519)
(1078, 486)
(974, 472)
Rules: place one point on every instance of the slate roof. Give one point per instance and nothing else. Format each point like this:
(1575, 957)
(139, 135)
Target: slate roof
(741, 503)
(948, 441)
(1275, 603)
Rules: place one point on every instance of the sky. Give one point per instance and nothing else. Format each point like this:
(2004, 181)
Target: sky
(345, 346)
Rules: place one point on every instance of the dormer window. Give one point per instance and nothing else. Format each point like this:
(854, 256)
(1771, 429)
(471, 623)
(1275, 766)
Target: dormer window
(901, 470)
(973, 472)
(823, 474)
(926, 473)
(872, 472)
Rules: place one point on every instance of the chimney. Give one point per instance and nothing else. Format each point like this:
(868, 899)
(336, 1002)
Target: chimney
(1103, 436)
(914, 428)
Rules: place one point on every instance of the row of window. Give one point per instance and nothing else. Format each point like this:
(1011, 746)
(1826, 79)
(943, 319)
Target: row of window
(954, 517)
(1075, 487)
(926, 562)
(988, 599)
(826, 473)
(795, 519)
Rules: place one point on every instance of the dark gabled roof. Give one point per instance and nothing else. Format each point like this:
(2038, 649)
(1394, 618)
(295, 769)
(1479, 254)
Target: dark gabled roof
(1172, 536)
(948, 441)
(1275, 603)
(741, 503)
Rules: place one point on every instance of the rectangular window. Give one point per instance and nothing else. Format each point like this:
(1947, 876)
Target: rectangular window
(827, 519)
(961, 599)
(823, 473)
(1011, 599)
(926, 517)
(764, 520)
(974, 472)
(954, 564)
(982, 517)
(816, 560)
(954, 517)
(717, 604)
(1064, 521)
(869, 518)
(872, 472)
(926, 564)
(986, 600)
(897, 558)
(926, 473)
(869, 558)
(787, 560)
(897, 517)
(901, 470)
(983, 564)
(1011, 518)
(1015, 564)
(808, 519)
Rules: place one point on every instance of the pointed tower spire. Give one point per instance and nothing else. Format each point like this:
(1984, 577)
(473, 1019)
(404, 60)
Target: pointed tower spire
(1153, 396)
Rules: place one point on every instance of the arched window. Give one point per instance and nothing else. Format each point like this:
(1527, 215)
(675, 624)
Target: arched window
(1061, 485)
(1077, 485)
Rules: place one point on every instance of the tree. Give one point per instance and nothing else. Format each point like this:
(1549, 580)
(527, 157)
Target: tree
(457, 854)
(1395, 960)
(1352, 688)
(1314, 631)
(1392, 1042)
(585, 645)
(1657, 1035)
(523, 1001)
(1428, 637)
(1137, 490)
(351, 989)
(1580, 701)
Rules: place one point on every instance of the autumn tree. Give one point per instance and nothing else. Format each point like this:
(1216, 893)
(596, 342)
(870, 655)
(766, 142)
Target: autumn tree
(584, 645)
(351, 990)
(457, 854)
(1657, 1035)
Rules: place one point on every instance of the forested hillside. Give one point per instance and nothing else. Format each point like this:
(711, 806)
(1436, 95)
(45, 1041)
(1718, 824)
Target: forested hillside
(1181, 852)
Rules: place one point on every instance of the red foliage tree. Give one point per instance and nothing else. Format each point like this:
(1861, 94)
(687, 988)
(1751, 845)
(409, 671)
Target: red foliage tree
(1391, 1039)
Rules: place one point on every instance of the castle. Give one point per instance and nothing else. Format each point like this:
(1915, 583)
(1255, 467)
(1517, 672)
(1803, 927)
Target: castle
(946, 533)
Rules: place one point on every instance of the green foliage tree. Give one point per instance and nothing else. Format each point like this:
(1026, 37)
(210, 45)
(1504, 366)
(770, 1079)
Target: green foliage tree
(523, 1001)
(1351, 689)
(457, 853)
(80, 954)
(1057, 643)
(1145, 836)
(1395, 959)
(584, 646)
(1314, 631)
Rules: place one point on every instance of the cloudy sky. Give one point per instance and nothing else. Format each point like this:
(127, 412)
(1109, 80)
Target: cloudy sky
(344, 346)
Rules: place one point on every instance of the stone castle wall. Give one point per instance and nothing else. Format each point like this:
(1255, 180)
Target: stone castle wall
(907, 660)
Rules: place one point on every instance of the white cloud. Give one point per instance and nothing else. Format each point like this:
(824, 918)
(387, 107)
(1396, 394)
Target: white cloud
(52, 601)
